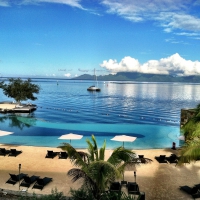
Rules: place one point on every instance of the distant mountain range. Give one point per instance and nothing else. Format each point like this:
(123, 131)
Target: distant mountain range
(140, 77)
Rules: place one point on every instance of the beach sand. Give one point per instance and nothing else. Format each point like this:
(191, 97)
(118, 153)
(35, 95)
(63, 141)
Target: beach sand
(158, 181)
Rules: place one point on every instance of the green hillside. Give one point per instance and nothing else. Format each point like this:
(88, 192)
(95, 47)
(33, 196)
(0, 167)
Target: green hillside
(140, 77)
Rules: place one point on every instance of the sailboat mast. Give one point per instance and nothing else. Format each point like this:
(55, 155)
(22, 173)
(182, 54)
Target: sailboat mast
(96, 83)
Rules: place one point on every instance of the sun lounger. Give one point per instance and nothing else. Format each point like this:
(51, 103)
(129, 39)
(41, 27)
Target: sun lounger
(133, 188)
(14, 152)
(173, 158)
(15, 178)
(41, 182)
(194, 191)
(115, 187)
(141, 196)
(28, 181)
(50, 154)
(161, 159)
(63, 155)
(198, 186)
(142, 159)
(4, 152)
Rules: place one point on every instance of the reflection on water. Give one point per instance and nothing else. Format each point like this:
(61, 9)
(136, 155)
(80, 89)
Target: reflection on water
(13, 122)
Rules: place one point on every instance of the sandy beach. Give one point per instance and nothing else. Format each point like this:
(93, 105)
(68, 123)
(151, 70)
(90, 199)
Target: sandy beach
(158, 181)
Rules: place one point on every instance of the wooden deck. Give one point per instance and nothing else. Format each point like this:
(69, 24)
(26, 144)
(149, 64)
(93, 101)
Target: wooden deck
(9, 107)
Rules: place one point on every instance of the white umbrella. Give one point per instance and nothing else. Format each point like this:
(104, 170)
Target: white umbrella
(124, 138)
(4, 133)
(70, 136)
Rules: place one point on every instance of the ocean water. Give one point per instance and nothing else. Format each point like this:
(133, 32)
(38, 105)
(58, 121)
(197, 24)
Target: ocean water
(148, 111)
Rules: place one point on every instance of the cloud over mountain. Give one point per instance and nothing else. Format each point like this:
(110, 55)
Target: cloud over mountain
(174, 64)
(67, 75)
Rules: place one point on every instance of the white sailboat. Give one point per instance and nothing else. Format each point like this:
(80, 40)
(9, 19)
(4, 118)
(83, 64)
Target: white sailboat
(95, 86)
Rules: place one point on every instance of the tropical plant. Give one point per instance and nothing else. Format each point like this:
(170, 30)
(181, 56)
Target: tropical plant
(55, 195)
(82, 194)
(20, 90)
(96, 172)
(191, 130)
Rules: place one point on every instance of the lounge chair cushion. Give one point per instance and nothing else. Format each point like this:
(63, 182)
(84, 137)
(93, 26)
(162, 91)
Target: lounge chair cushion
(14, 152)
(115, 186)
(28, 181)
(161, 159)
(4, 152)
(173, 158)
(50, 154)
(15, 178)
(41, 182)
(133, 188)
(63, 155)
(189, 190)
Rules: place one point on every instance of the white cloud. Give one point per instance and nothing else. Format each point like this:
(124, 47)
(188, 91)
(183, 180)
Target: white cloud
(181, 21)
(174, 41)
(127, 64)
(169, 13)
(67, 75)
(4, 3)
(188, 34)
(174, 64)
(73, 3)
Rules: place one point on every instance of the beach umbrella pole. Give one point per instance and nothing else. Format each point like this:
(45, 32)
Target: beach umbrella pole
(135, 175)
(19, 175)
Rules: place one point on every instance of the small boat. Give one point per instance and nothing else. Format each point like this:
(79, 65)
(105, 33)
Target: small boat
(94, 87)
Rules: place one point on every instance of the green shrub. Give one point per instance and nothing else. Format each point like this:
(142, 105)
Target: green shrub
(55, 195)
(81, 194)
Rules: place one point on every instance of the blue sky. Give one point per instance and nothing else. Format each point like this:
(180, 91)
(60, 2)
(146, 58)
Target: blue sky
(67, 38)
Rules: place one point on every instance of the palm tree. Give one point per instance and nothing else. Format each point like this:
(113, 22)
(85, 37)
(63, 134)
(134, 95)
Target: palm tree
(97, 173)
(191, 130)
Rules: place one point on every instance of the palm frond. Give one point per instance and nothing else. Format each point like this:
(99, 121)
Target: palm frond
(103, 172)
(76, 157)
(190, 152)
(90, 150)
(198, 107)
(78, 174)
(84, 156)
(95, 147)
(120, 154)
(102, 151)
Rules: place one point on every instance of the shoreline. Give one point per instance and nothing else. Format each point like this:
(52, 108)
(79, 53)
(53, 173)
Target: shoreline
(158, 181)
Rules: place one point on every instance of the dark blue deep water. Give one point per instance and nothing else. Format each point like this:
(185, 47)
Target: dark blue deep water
(148, 111)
